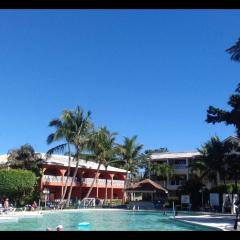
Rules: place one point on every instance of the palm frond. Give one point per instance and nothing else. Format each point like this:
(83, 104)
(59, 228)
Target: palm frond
(62, 148)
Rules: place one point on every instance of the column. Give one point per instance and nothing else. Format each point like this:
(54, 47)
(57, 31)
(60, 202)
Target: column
(81, 183)
(62, 171)
(97, 175)
(124, 193)
(41, 183)
(167, 174)
(111, 198)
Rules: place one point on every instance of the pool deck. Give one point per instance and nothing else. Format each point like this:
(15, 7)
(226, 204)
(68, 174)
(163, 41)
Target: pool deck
(221, 221)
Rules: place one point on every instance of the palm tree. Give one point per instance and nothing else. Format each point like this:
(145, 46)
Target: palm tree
(210, 164)
(130, 154)
(232, 158)
(81, 126)
(235, 51)
(161, 169)
(146, 159)
(102, 146)
(76, 126)
(62, 132)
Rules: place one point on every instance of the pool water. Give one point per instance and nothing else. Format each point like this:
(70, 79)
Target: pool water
(101, 221)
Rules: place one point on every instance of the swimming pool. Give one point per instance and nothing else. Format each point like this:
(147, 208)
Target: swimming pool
(101, 221)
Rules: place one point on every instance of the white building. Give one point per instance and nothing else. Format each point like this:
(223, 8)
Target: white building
(179, 162)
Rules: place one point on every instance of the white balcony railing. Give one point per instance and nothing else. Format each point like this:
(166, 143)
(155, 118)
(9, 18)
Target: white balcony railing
(102, 182)
(87, 181)
(58, 179)
(180, 166)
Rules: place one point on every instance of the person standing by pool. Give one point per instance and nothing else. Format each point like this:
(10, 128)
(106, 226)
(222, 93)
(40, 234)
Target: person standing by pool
(6, 204)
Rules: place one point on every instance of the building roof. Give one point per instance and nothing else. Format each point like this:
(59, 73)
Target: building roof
(3, 158)
(173, 155)
(146, 185)
(61, 160)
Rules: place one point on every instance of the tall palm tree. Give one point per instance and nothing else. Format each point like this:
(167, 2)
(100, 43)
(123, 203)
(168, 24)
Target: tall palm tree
(102, 146)
(76, 129)
(62, 132)
(81, 126)
(210, 164)
(161, 169)
(130, 153)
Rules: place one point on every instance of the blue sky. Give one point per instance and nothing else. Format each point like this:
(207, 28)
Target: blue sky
(147, 72)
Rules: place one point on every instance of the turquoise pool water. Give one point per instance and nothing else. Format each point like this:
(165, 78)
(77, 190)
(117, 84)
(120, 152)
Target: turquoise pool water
(101, 221)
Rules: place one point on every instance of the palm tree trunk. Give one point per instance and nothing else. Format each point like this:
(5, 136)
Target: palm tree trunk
(224, 179)
(125, 186)
(68, 175)
(236, 183)
(73, 178)
(218, 178)
(106, 190)
(91, 187)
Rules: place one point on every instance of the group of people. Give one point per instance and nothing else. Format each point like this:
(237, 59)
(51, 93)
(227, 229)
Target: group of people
(6, 206)
(58, 228)
(32, 207)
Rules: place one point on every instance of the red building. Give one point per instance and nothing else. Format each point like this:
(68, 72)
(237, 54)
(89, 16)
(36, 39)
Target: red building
(55, 174)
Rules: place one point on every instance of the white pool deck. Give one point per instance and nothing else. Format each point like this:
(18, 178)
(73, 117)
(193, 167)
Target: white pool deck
(223, 222)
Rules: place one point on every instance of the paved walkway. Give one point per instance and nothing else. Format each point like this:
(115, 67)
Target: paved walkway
(223, 222)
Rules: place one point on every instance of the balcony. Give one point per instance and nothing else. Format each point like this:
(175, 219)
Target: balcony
(102, 183)
(86, 182)
(57, 180)
(180, 166)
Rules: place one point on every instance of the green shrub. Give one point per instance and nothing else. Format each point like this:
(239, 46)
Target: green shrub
(17, 184)
(228, 188)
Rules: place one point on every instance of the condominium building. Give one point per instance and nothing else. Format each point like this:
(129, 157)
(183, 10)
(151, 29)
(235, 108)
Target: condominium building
(179, 162)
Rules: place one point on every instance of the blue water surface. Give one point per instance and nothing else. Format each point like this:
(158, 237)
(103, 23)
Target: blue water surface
(101, 221)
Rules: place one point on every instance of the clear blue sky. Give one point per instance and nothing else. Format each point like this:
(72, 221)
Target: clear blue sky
(147, 72)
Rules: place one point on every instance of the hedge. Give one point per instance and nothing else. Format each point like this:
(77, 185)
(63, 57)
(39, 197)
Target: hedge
(17, 184)
(228, 188)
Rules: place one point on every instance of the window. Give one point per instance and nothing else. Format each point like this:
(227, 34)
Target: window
(178, 179)
(180, 162)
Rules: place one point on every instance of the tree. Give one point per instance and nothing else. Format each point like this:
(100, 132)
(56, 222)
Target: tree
(102, 147)
(193, 187)
(232, 161)
(130, 152)
(235, 51)
(17, 184)
(145, 160)
(161, 170)
(62, 132)
(158, 150)
(217, 115)
(76, 129)
(211, 161)
(25, 158)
